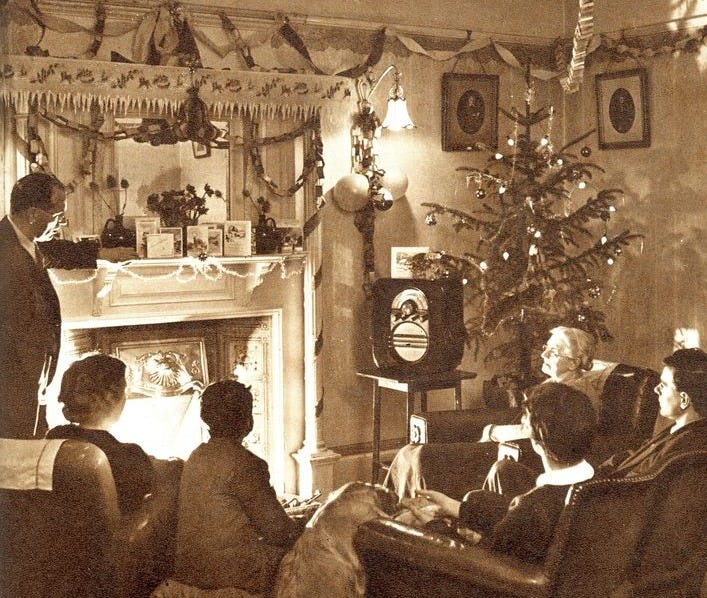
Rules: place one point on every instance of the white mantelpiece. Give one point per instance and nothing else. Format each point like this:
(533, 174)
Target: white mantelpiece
(145, 292)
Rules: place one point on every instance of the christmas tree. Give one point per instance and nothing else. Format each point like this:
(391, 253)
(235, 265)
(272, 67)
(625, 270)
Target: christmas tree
(534, 259)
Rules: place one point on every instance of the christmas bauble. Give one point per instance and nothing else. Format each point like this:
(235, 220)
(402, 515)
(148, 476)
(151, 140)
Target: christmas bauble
(383, 200)
(351, 192)
(480, 194)
(586, 151)
(396, 182)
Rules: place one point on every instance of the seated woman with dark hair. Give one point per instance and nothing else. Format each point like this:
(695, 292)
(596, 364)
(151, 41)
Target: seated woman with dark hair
(232, 531)
(93, 395)
(560, 422)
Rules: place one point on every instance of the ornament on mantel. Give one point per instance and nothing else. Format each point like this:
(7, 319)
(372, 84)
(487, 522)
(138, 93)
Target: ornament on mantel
(586, 151)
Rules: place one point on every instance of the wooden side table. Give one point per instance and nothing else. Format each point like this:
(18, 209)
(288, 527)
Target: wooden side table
(409, 384)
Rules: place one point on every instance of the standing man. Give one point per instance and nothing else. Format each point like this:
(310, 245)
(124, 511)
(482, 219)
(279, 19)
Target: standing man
(30, 320)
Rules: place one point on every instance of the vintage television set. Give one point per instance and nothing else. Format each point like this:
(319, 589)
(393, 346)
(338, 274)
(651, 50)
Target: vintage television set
(418, 325)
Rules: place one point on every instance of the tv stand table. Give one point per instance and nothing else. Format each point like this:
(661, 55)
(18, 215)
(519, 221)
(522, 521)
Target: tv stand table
(410, 384)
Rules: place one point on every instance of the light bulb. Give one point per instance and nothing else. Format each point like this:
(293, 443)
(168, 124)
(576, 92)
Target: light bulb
(511, 142)
(544, 141)
(483, 266)
(501, 190)
(506, 255)
(610, 261)
(581, 184)
(498, 156)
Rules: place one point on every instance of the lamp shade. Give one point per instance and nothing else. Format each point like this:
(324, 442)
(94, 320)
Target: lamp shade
(351, 192)
(397, 117)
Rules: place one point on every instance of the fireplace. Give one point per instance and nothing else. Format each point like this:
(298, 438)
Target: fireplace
(244, 319)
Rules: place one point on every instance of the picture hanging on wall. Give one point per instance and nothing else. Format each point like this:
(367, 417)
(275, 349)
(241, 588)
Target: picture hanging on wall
(469, 112)
(622, 109)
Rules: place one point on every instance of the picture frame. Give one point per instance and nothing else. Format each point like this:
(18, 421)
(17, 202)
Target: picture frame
(159, 245)
(215, 240)
(469, 112)
(177, 242)
(165, 368)
(237, 238)
(291, 239)
(197, 240)
(623, 115)
(400, 260)
(200, 150)
(145, 225)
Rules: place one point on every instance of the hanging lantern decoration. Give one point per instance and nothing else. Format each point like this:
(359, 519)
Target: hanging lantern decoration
(351, 192)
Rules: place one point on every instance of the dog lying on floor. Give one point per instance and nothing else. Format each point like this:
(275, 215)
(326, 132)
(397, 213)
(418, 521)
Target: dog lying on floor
(323, 561)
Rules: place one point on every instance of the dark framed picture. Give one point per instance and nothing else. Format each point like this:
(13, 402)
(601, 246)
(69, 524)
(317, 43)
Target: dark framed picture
(469, 112)
(200, 150)
(622, 109)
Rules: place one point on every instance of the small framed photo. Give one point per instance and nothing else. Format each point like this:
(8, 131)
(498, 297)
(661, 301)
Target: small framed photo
(146, 225)
(469, 112)
(291, 239)
(176, 233)
(237, 238)
(197, 239)
(622, 109)
(200, 150)
(400, 260)
(215, 240)
(160, 245)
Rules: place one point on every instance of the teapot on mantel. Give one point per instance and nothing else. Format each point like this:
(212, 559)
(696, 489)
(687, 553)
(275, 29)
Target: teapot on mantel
(114, 233)
(267, 237)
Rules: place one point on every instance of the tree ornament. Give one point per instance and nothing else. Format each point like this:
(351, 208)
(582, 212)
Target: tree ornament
(586, 151)
(480, 193)
(430, 219)
(351, 192)
(396, 182)
(383, 200)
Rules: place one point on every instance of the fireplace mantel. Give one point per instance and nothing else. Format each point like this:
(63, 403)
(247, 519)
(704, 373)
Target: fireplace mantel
(160, 291)
(121, 293)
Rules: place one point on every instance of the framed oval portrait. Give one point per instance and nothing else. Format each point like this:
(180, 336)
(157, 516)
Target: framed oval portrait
(469, 112)
(622, 109)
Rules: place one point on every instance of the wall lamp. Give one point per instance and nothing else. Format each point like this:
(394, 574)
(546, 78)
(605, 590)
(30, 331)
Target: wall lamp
(370, 187)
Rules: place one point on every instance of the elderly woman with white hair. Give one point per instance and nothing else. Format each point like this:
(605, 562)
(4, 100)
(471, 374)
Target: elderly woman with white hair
(568, 357)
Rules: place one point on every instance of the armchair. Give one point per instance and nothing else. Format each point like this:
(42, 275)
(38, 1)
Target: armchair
(62, 531)
(452, 461)
(620, 537)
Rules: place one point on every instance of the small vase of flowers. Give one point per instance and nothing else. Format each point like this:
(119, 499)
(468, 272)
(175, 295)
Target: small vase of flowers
(181, 207)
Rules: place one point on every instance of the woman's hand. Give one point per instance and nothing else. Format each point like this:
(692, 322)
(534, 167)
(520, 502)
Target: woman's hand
(448, 505)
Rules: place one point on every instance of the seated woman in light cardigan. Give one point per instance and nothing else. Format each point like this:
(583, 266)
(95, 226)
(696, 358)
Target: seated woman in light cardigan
(567, 357)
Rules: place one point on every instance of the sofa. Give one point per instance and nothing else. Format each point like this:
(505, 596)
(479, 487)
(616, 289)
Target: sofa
(452, 461)
(644, 536)
(62, 533)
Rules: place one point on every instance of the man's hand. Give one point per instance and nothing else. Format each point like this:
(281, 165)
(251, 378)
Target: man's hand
(449, 506)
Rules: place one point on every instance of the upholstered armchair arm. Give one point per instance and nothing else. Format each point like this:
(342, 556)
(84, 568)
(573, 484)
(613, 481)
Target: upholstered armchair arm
(398, 556)
(144, 541)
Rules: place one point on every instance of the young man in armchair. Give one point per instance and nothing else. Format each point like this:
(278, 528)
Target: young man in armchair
(561, 424)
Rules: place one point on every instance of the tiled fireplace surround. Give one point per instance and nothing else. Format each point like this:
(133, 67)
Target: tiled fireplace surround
(249, 313)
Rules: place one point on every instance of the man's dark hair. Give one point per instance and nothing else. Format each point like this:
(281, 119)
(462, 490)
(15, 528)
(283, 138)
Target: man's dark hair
(227, 408)
(562, 420)
(690, 375)
(33, 190)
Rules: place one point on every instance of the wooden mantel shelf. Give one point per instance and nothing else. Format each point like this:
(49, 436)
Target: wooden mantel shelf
(131, 290)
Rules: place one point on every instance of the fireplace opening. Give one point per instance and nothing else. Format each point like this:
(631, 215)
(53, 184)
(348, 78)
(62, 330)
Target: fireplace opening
(170, 363)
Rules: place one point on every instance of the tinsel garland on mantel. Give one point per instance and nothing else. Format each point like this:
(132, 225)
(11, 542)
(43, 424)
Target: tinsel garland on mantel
(58, 84)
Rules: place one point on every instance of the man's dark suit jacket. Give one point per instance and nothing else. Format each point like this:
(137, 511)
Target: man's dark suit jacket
(657, 450)
(30, 326)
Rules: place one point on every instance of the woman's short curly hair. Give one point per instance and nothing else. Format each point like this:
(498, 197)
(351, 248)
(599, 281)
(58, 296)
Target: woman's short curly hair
(582, 345)
(562, 420)
(227, 408)
(85, 388)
